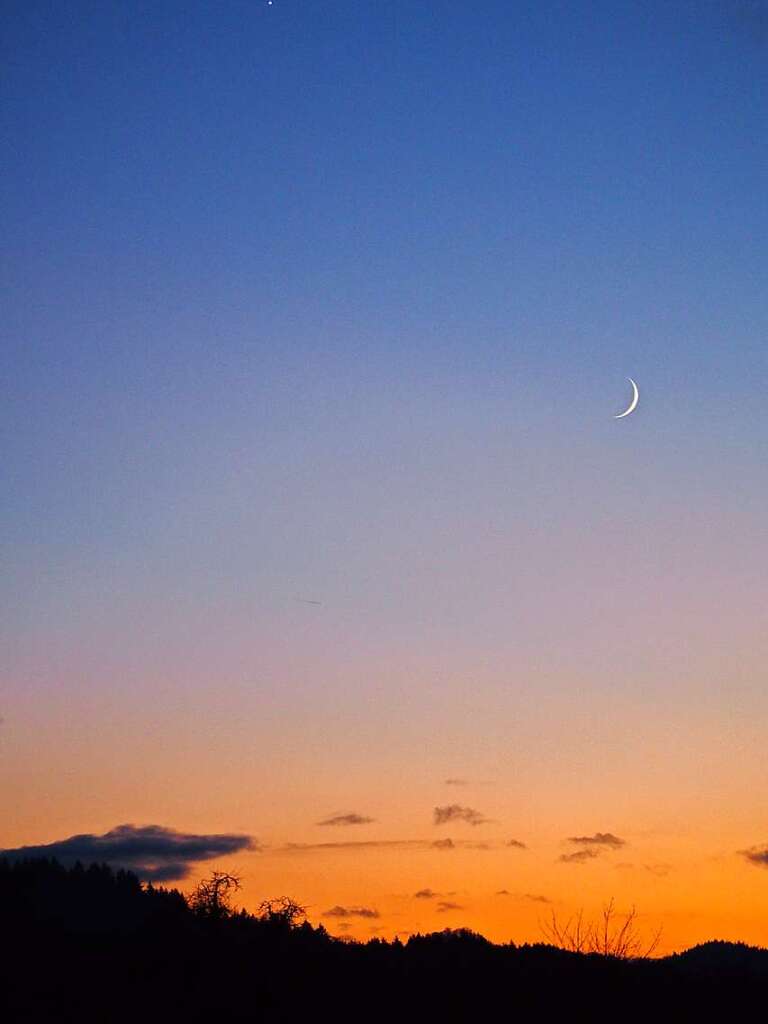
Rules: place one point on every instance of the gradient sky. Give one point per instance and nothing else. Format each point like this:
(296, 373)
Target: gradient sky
(335, 302)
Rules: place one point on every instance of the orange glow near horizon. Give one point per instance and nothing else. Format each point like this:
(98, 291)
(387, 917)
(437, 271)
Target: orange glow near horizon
(679, 863)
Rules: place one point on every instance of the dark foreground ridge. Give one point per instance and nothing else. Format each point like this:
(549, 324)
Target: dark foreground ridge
(95, 945)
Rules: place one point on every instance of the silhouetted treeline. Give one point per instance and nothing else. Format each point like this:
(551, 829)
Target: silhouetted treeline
(95, 945)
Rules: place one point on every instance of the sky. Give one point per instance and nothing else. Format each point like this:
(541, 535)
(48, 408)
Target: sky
(316, 319)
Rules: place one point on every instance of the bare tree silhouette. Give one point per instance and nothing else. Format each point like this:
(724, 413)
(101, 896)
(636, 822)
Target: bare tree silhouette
(282, 910)
(612, 935)
(212, 897)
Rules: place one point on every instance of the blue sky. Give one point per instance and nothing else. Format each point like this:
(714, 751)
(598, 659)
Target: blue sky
(271, 218)
(336, 302)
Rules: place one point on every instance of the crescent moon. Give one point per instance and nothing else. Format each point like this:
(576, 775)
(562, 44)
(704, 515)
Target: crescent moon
(633, 403)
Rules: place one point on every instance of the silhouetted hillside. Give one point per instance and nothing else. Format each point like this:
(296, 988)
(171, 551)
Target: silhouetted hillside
(724, 956)
(93, 944)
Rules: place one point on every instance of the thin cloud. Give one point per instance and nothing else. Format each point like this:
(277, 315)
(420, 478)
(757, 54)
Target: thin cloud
(467, 782)
(358, 844)
(529, 897)
(455, 812)
(343, 912)
(364, 845)
(347, 819)
(153, 852)
(445, 907)
(579, 856)
(426, 894)
(598, 839)
(757, 855)
(516, 844)
(659, 870)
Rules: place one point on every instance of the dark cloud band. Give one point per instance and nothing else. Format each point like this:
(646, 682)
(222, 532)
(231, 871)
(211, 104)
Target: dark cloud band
(155, 853)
